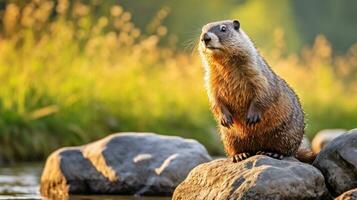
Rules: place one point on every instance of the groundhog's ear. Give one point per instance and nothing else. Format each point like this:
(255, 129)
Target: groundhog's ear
(236, 24)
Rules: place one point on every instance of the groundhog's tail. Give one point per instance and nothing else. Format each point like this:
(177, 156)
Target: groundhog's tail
(305, 155)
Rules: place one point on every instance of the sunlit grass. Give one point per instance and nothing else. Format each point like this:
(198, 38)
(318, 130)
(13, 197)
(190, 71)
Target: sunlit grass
(68, 78)
(324, 83)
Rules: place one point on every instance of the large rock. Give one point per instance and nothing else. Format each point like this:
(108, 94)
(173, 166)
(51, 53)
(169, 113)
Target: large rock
(349, 195)
(258, 177)
(125, 163)
(338, 162)
(323, 137)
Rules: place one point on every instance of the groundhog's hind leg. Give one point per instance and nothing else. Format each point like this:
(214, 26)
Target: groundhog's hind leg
(240, 156)
(270, 154)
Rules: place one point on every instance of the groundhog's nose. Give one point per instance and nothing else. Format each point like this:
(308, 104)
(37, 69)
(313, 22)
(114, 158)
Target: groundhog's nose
(206, 38)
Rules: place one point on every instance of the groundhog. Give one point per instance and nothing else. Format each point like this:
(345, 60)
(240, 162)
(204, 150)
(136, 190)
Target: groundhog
(257, 112)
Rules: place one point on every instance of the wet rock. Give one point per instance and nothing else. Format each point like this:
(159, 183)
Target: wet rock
(125, 163)
(258, 177)
(338, 162)
(323, 137)
(349, 195)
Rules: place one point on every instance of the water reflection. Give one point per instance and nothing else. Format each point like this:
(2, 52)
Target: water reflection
(22, 182)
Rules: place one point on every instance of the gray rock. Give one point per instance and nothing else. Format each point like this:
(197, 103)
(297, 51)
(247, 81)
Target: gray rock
(125, 163)
(258, 177)
(323, 137)
(338, 162)
(349, 195)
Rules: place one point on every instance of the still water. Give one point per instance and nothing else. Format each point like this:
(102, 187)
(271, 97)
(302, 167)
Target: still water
(22, 182)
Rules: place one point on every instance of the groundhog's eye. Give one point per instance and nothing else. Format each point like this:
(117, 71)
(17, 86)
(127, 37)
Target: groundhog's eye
(223, 28)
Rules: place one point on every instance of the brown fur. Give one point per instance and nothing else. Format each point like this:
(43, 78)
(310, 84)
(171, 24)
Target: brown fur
(239, 85)
(305, 155)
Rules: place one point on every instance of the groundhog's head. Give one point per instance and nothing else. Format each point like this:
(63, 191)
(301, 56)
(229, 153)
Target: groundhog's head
(225, 40)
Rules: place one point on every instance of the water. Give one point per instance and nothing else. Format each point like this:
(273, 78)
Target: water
(22, 182)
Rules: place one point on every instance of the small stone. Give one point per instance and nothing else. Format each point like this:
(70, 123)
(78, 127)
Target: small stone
(349, 195)
(323, 137)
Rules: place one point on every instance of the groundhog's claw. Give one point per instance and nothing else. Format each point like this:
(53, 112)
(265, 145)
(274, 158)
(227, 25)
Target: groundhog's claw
(270, 154)
(253, 117)
(240, 157)
(227, 120)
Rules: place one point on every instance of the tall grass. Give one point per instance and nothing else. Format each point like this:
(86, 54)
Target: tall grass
(326, 83)
(69, 77)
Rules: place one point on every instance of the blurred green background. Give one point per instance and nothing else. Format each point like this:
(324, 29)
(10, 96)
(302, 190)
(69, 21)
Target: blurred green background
(75, 71)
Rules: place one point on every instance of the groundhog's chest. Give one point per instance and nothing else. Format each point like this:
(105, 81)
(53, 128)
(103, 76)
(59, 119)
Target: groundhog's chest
(234, 93)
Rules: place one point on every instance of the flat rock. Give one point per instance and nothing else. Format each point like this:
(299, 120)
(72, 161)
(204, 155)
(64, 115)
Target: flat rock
(323, 137)
(349, 195)
(258, 177)
(338, 162)
(123, 163)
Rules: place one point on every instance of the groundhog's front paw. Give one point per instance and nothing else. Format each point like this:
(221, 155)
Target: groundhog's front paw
(253, 117)
(227, 120)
